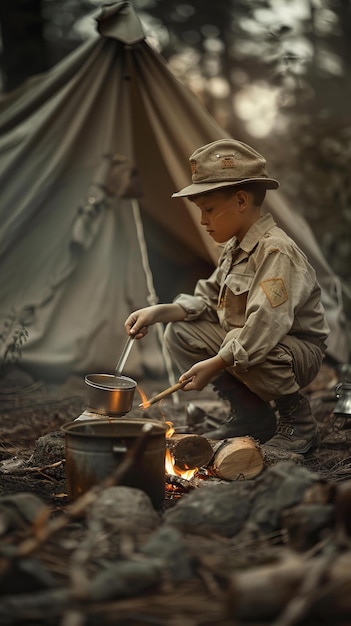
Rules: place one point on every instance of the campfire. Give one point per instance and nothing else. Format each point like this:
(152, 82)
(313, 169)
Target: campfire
(191, 458)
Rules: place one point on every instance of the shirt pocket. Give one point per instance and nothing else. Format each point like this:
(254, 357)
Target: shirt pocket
(235, 293)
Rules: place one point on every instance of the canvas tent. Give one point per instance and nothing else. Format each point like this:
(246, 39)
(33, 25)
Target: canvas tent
(90, 153)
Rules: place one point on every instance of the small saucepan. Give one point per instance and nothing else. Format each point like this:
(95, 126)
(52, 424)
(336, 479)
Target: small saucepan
(106, 394)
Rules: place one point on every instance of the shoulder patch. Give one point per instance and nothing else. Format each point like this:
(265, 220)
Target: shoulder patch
(275, 290)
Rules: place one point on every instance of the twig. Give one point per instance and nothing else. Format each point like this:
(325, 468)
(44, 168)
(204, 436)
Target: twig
(29, 470)
(179, 482)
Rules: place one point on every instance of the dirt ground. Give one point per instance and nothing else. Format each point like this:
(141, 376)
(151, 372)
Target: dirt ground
(31, 410)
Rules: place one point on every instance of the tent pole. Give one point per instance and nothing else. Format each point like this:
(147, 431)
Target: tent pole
(152, 297)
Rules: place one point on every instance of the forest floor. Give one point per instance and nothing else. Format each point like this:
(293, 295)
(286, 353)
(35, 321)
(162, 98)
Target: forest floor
(32, 410)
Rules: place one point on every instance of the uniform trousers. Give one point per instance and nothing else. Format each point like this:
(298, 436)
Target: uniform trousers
(289, 367)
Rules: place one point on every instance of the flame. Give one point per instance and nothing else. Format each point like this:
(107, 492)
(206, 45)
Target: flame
(143, 397)
(170, 430)
(170, 466)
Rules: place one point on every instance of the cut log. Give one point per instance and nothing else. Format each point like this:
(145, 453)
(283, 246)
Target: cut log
(240, 457)
(189, 451)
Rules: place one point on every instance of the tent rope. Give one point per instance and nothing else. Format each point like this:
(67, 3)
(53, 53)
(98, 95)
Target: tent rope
(152, 297)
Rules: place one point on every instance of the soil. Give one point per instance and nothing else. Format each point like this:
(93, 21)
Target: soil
(33, 411)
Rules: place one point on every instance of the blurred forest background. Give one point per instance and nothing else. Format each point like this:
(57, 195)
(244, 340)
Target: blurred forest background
(274, 73)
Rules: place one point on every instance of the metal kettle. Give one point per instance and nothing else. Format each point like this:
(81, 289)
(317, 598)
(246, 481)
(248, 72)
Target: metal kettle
(343, 394)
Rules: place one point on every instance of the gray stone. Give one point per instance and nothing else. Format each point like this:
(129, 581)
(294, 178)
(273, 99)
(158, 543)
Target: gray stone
(220, 508)
(123, 509)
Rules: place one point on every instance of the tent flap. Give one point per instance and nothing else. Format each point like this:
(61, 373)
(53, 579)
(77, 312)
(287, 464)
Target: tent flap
(71, 257)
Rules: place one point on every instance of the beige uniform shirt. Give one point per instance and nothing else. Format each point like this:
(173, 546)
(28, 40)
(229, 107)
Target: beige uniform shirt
(262, 290)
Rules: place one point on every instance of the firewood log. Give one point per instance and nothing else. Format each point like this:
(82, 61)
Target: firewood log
(189, 451)
(239, 457)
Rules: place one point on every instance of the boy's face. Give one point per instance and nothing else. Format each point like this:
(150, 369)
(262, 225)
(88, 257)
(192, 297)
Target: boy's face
(227, 216)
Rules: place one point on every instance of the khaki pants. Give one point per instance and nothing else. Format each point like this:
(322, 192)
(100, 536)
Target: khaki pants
(290, 366)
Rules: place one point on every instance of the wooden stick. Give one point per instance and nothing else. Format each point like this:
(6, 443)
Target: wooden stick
(163, 394)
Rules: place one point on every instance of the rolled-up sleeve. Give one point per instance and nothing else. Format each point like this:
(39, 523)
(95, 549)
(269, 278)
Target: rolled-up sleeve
(204, 303)
(194, 307)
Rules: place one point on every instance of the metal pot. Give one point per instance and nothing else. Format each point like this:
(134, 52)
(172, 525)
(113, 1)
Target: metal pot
(94, 449)
(106, 394)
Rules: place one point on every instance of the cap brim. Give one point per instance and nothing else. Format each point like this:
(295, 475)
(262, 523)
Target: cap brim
(196, 188)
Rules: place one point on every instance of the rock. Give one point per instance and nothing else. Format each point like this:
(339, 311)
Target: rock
(15, 379)
(225, 508)
(18, 510)
(280, 487)
(167, 547)
(220, 509)
(124, 509)
(48, 450)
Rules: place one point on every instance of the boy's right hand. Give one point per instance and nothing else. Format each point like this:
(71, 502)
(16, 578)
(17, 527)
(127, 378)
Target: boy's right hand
(138, 322)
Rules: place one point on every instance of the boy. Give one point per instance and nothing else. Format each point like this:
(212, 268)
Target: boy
(256, 327)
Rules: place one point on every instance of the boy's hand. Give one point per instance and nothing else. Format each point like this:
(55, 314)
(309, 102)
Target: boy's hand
(202, 372)
(137, 323)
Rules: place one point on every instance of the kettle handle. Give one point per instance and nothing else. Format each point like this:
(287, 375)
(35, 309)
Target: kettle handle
(337, 390)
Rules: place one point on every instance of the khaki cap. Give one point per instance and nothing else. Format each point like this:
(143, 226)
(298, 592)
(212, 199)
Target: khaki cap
(225, 163)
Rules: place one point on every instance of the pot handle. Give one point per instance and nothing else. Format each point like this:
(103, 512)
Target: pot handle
(119, 449)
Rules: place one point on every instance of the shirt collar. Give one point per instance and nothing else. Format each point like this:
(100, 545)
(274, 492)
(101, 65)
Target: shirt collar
(255, 232)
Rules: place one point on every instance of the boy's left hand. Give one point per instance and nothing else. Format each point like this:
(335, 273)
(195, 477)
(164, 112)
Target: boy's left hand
(202, 372)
